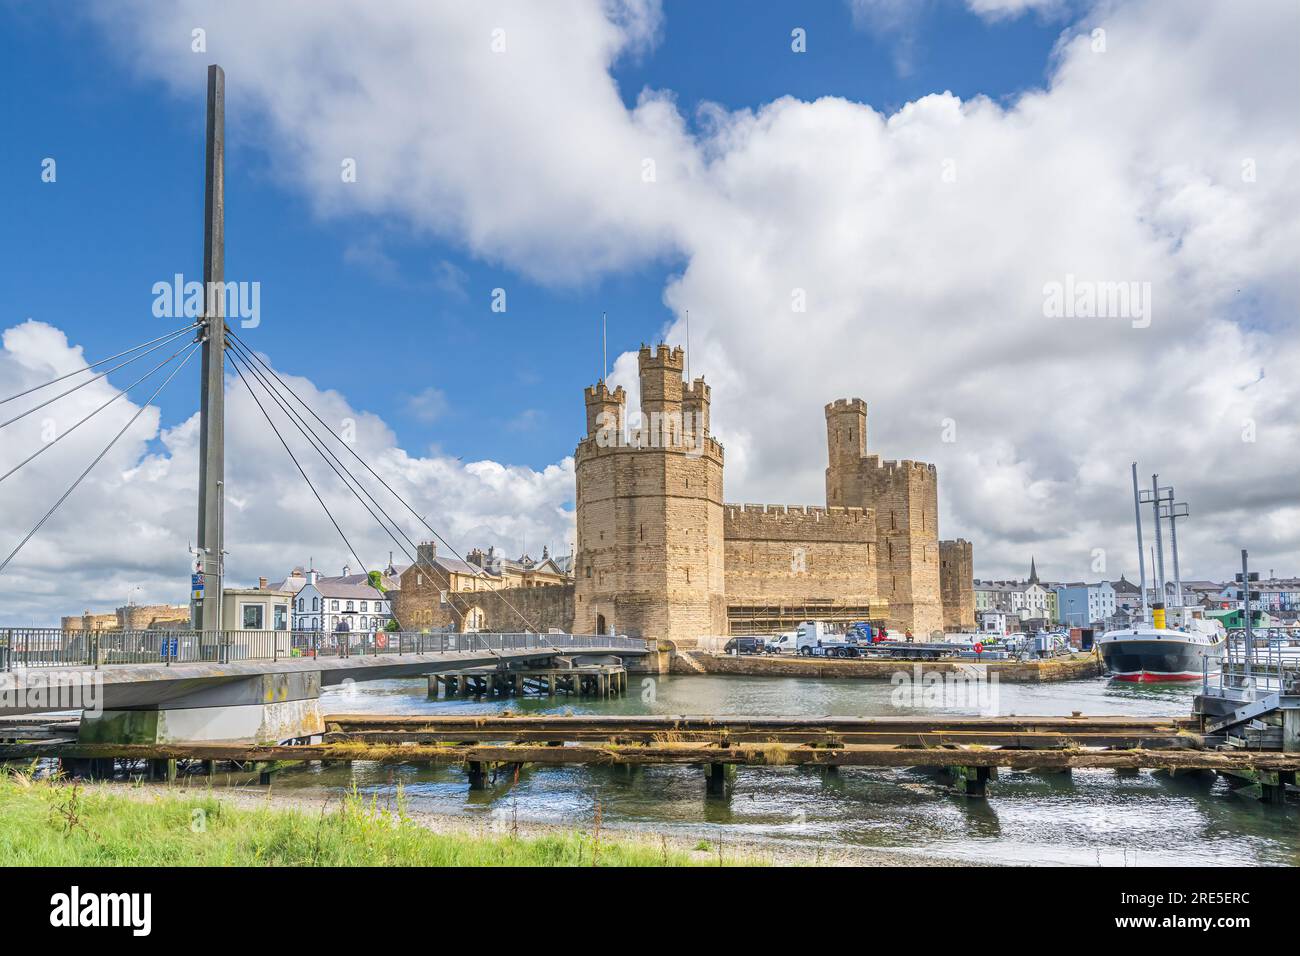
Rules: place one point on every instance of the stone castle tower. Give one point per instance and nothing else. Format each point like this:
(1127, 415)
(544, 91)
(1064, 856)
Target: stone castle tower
(905, 498)
(956, 584)
(649, 558)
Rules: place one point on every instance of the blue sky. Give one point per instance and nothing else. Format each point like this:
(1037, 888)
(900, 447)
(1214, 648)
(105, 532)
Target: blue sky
(1139, 142)
(126, 211)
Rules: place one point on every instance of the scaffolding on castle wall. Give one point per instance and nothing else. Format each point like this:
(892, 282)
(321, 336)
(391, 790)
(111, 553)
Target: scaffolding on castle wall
(749, 620)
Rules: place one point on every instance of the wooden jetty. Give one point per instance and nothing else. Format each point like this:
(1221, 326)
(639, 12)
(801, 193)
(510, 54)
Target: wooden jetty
(970, 748)
(563, 676)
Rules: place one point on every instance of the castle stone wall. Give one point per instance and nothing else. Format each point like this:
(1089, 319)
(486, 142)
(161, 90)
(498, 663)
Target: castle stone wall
(792, 556)
(419, 607)
(957, 585)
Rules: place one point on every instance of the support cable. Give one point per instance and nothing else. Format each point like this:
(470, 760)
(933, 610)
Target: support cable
(46, 447)
(476, 572)
(341, 471)
(171, 337)
(98, 457)
(328, 513)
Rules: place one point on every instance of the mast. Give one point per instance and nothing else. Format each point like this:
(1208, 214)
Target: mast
(1142, 561)
(1176, 511)
(1158, 607)
(207, 601)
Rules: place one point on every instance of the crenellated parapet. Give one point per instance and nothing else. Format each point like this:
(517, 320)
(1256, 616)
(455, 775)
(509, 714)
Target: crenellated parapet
(605, 409)
(798, 523)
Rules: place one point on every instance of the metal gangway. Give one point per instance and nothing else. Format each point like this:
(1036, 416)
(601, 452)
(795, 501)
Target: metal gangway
(1258, 673)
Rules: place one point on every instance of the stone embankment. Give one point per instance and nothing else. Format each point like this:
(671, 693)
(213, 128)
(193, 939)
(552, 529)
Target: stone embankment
(1076, 667)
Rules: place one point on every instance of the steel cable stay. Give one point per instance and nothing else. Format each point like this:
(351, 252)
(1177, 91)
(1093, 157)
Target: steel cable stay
(473, 570)
(298, 465)
(98, 458)
(102, 361)
(420, 518)
(342, 472)
(321, 449)
(171, 337)
(47, 446)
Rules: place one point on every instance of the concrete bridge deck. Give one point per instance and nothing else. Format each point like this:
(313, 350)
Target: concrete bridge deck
(154, 684)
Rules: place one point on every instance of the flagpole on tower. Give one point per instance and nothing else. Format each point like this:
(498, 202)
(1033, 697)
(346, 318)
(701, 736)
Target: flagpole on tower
(688, 345)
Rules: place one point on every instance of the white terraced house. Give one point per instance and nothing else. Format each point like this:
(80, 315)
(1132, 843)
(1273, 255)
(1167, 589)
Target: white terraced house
(349, 603)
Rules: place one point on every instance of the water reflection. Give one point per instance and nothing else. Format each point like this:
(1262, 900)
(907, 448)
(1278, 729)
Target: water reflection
(1088, 817)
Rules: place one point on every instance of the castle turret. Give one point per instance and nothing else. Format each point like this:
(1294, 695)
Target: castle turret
(846, 445)
(604, 408)
(695, 409)
(661, 379)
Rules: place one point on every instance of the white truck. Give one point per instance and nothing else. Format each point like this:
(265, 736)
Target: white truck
(816, 639)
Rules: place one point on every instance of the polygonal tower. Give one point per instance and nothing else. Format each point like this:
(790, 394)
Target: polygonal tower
(905, 498)
(649, 559)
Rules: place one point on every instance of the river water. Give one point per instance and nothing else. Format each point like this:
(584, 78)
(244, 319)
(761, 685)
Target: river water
(1094, 817)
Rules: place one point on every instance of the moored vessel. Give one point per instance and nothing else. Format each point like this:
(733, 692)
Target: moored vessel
(1155, 654)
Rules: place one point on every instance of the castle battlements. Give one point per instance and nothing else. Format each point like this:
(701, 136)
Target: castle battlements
(846, 405)
(817, 512)
(662, 357)
(797, 523)
(600, 393)
(902, 466)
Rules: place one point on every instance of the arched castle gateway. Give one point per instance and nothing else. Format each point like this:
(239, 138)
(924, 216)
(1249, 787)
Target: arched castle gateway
(660, 555)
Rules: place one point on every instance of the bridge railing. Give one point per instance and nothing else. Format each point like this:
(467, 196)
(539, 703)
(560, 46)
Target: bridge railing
(23, 647)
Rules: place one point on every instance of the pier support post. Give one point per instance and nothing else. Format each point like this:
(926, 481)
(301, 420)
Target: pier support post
(1272, 785)
(716, 780)
(477, 775)
(1290, 730)
(973, 781)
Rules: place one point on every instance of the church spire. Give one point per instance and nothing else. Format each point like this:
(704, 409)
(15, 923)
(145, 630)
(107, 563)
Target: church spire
(1033, 571)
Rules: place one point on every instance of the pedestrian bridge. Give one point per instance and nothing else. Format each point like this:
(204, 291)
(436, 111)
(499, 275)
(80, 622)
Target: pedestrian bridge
(191, 675)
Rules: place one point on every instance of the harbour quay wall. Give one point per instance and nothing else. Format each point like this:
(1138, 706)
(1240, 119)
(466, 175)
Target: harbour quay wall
(1077, 667)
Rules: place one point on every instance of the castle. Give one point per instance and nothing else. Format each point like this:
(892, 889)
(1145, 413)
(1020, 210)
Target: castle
(660, 554)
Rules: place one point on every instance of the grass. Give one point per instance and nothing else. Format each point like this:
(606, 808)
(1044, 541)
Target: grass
(61, 823)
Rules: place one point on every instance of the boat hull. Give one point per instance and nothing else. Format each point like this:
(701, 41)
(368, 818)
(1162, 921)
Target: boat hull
(1159, 661)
